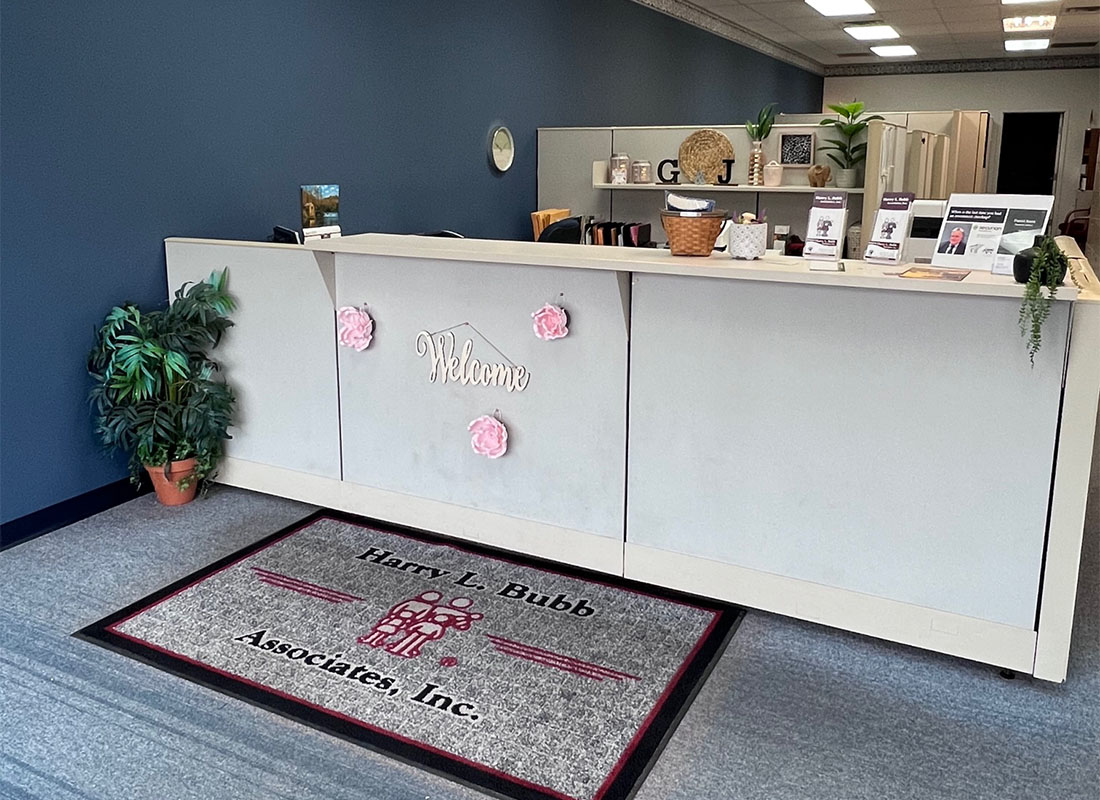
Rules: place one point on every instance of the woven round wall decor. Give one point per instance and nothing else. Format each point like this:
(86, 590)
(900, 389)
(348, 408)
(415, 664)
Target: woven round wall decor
(701, 154)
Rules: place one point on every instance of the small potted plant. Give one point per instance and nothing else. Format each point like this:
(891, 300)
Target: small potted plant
(759, 131)
(849, 153)
(748, 237)
(155, 393)
(1042, 266)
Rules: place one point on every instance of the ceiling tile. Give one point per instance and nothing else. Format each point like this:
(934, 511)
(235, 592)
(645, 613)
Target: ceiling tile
(937, 29)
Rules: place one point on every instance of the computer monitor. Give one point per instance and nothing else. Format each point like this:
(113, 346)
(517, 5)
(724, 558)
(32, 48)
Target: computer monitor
(285, 235)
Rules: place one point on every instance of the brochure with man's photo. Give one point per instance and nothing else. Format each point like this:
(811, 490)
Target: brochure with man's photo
(827, 226)
(985, 231)
(890, 233)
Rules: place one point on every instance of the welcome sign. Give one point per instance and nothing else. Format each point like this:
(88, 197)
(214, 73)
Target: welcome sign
(532, 681)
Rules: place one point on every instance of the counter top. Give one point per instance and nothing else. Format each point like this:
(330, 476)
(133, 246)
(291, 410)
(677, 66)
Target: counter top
(772, 268)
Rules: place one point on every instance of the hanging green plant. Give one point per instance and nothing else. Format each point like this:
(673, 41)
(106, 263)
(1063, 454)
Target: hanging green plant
(1048, 267)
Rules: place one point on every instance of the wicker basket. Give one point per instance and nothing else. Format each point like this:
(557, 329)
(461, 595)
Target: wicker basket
(694, 233)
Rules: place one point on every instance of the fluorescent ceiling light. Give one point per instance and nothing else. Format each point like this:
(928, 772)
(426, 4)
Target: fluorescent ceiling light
(1027, 44)
(1025, 2)
(1021, 24)
(840, 8)
(893, 50)
(867, 33)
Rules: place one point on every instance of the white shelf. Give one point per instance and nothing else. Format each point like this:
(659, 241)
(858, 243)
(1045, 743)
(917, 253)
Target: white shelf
(691, 187)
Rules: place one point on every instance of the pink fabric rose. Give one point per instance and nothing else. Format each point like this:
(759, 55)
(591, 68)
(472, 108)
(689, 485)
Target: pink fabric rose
(356, 327)
(488, 437)
(550, 322)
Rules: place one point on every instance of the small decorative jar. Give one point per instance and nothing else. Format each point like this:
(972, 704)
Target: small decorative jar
(749, 241)
(641, 172)
(620, 168)
(773, 174)
(756, 164)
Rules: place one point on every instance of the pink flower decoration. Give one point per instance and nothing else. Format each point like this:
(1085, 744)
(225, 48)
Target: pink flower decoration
(550, 322)
(356, 327)
(488, 437)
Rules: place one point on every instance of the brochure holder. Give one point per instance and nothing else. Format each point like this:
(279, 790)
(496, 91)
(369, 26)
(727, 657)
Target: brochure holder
(825, 231)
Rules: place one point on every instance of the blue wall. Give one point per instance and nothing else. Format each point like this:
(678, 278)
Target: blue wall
(126, 122)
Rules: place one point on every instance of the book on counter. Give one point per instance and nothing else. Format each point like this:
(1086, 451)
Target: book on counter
(890, 234)
(825, 232)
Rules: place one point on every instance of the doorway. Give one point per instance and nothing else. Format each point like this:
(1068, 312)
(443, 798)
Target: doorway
(1029, 152)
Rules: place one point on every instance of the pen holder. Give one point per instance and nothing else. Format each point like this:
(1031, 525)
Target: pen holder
(747, 242)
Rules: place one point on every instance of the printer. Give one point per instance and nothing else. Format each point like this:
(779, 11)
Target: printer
(925, 231)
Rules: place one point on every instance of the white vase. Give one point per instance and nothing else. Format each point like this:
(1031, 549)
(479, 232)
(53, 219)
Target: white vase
(748, 241)
(756, 164)
(847, 178)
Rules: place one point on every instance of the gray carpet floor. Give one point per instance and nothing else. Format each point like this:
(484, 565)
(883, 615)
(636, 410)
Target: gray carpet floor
(792, 710)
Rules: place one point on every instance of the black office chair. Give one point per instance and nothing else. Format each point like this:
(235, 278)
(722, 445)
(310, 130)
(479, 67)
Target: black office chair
(566, 230)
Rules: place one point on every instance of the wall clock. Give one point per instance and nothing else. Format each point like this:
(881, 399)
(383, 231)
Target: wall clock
(502, 148)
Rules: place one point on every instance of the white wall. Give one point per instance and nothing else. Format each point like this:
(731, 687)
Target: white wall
(1073, 91)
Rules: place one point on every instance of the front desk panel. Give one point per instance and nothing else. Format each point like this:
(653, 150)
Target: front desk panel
(280, 354)
(565, 464)
(850, 448)
(896, 445)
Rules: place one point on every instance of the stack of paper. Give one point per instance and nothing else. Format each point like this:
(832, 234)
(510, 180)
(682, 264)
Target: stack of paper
(547, 216)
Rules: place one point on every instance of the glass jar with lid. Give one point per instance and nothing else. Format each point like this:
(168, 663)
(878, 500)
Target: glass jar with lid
(620, 168)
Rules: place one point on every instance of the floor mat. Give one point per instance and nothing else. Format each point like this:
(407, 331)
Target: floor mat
(522, 677)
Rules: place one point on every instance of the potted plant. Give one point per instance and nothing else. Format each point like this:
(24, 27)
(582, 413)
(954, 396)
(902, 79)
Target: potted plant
(850, 154)
(1042, 266)
(155, 392)
(758, 131)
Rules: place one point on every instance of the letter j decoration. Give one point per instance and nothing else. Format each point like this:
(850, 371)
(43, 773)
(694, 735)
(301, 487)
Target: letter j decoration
(356, 327)
(488, 437)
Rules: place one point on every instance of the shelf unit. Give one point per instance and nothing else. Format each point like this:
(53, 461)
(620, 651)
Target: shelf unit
(691, 187)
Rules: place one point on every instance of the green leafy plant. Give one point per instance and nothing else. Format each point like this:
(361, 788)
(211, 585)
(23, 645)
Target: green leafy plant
(848, 128)
(1047, 271)
(155, 393)
(758, 131)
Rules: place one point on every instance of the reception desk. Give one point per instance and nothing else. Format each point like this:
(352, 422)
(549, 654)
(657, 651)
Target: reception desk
(854, 448)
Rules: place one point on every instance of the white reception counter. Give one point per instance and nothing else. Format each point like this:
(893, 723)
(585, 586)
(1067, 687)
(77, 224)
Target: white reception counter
(862, 450)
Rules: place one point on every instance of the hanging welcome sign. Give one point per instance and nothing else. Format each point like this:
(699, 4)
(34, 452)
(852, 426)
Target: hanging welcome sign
(463, 368)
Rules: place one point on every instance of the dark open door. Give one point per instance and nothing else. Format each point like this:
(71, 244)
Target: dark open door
(1029, 151)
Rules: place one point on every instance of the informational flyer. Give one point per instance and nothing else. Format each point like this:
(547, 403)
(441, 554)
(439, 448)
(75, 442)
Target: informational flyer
(935, 274)
(320, 210)
(828, 222)
(985, 231)
(886, 244)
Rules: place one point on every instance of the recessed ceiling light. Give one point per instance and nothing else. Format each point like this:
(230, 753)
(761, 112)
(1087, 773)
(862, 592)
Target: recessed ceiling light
(893, 50)
(1037, 23)
(866, 33)
(840, 8)
(1027, 44)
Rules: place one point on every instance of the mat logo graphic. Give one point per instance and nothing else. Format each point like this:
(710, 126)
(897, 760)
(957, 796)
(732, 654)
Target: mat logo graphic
(421, 619)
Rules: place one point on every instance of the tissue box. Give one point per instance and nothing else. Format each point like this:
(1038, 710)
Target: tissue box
(748, 241)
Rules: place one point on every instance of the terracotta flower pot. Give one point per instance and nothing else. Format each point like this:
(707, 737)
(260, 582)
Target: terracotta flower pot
(168, 493)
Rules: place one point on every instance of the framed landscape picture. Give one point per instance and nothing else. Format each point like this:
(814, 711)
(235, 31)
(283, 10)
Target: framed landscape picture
(796, 149)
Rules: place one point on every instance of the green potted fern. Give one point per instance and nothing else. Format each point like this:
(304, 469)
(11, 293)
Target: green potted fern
(850, 153)
(156, 392)
(1042, 266)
